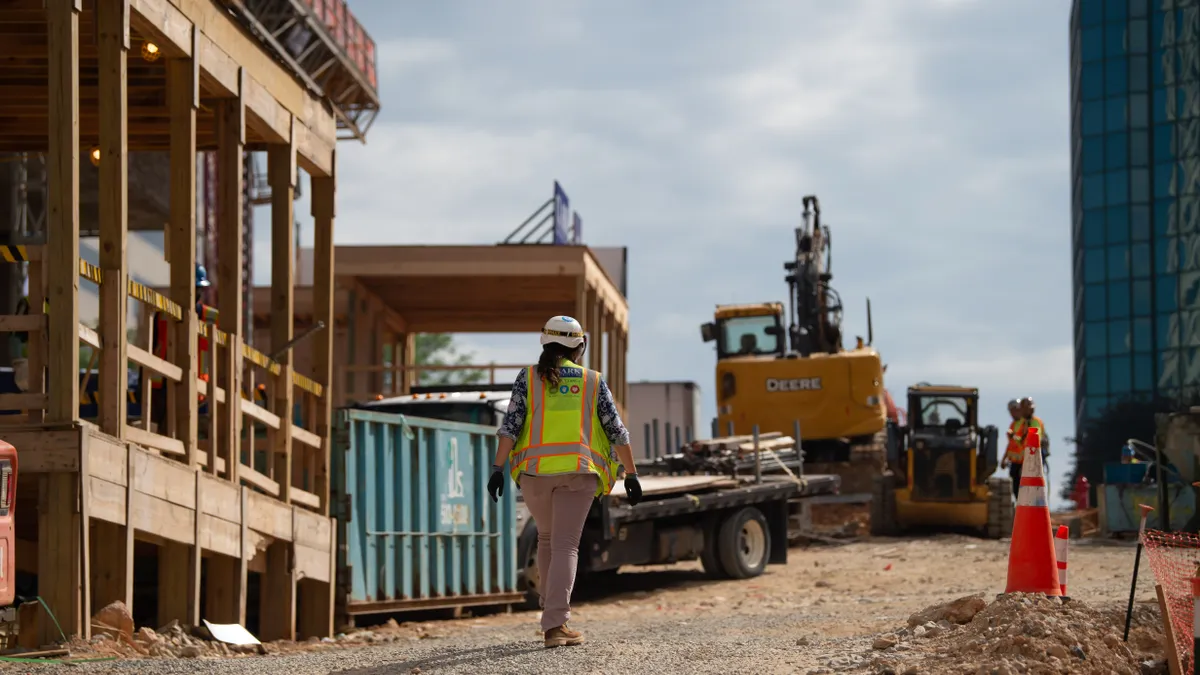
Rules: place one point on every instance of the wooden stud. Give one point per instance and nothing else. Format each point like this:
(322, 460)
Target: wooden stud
(112, 24)
(317, 601)
(593, 327)
(62, 168)
(610, 349)
(281, 174)
(323, 212)
(183, 102)
(226, 597)
(37, 343)
(410, 359)
(112, 551)
(232, 126)
(278, 590)
(60, 556)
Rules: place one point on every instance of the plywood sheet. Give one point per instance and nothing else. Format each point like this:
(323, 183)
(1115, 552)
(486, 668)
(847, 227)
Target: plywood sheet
(666, 485)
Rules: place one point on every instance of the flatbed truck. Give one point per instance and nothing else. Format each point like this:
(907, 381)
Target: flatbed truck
(735, 526)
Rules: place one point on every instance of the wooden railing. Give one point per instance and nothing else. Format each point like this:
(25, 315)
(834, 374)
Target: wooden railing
(167, 438)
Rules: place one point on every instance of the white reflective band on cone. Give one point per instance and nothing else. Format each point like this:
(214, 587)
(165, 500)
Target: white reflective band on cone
(1031, 468)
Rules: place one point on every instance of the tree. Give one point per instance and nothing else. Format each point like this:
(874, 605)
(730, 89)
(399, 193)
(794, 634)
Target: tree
(1101, 438)
(438, 349)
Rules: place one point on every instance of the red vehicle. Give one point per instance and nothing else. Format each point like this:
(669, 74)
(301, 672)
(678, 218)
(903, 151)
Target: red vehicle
(8, 534)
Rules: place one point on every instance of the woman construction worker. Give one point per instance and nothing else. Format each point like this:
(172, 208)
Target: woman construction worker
(562, 437)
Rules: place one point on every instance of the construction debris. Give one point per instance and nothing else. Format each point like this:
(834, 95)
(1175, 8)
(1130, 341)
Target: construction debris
(177, 641)
(1022, 633)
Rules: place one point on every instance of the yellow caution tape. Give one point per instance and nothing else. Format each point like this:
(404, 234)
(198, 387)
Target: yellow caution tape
(14, 254)
(164, 304)
(137, 290)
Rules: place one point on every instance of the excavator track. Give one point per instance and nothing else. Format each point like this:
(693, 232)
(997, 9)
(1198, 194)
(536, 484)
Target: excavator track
(850, 514)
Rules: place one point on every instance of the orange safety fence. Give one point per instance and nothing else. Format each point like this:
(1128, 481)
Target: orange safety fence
(1174, 557)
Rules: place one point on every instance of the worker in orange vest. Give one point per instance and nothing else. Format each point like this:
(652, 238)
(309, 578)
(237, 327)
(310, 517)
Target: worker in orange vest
(162, 326)
(1012, 454)
(1021, 426)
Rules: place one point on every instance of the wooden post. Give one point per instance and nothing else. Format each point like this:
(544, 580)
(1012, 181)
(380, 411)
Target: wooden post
(595, 328)
(231, 141)
(62, 250)
(112, 20)
(281, 173)
(278, 591)
(409, 350)
(323, 212)
(226, 597)
(62, 549)
(183, 100)
(581, 301)
(622, 355)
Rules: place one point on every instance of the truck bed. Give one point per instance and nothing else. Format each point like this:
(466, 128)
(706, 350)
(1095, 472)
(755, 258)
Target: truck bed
(675, 495)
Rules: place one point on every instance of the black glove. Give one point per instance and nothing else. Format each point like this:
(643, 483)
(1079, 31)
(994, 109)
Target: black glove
(496, 484)
(633, 489)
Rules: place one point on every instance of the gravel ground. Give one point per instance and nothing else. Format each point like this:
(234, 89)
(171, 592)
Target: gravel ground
(819, 613)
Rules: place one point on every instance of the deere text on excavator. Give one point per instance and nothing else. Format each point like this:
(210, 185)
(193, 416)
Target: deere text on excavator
(835, 393)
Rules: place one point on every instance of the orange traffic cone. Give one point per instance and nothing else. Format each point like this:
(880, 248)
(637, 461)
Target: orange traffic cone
(1032, 567)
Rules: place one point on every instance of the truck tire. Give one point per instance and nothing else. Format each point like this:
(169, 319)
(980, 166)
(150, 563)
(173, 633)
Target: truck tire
(527, 572)
(883, 506)
(744, 541)
(1000, 507)
(710, 557)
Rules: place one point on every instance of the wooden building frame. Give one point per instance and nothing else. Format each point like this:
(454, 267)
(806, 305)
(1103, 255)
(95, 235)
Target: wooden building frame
(90, 489)
(386, 295)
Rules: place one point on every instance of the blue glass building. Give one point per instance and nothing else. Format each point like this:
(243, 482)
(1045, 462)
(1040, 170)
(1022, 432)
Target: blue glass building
(1135, 200)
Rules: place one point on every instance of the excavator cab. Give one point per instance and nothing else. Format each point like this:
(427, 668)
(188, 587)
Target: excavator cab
(940, 465)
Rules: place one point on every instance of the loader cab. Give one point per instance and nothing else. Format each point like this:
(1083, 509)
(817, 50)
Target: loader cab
(946, 450)
(746, 330)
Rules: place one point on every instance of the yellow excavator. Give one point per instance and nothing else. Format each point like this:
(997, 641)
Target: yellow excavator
(771, 376)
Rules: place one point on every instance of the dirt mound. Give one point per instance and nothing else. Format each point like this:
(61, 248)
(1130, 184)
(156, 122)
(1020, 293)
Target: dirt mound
(1022, 633)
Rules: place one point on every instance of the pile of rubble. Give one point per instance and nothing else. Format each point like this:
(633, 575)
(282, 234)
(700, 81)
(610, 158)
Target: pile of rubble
(1022, 633)
(113, 634)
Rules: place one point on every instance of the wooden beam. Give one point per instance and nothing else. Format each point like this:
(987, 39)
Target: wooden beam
(281, 174)
(223, 46)
(112, 20)
(62, 168)
(323, 212)
(163, 24)
(183, 100)
(229, 275)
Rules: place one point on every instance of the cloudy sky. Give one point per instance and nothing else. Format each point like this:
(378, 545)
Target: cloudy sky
(935, 133)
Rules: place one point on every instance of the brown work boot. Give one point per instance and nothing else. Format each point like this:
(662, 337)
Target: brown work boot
(563, 637)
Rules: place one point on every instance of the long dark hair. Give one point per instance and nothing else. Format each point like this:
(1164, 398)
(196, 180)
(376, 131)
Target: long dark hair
(553, 354)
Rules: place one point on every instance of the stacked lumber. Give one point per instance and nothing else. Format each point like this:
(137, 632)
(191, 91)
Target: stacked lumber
(731, 455)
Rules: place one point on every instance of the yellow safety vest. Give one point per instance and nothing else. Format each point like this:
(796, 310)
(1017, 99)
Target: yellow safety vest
(562, 433)
(1020, 427)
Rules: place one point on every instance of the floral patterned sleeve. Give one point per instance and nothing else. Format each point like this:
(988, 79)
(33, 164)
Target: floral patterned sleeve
(514, 418)
(610, 419)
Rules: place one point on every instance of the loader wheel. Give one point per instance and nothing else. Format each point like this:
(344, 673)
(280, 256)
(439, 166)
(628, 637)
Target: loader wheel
(1000, 507)
(883, 506)
(745, 543)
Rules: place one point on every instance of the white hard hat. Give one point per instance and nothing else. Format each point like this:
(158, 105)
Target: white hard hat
(563, 330)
